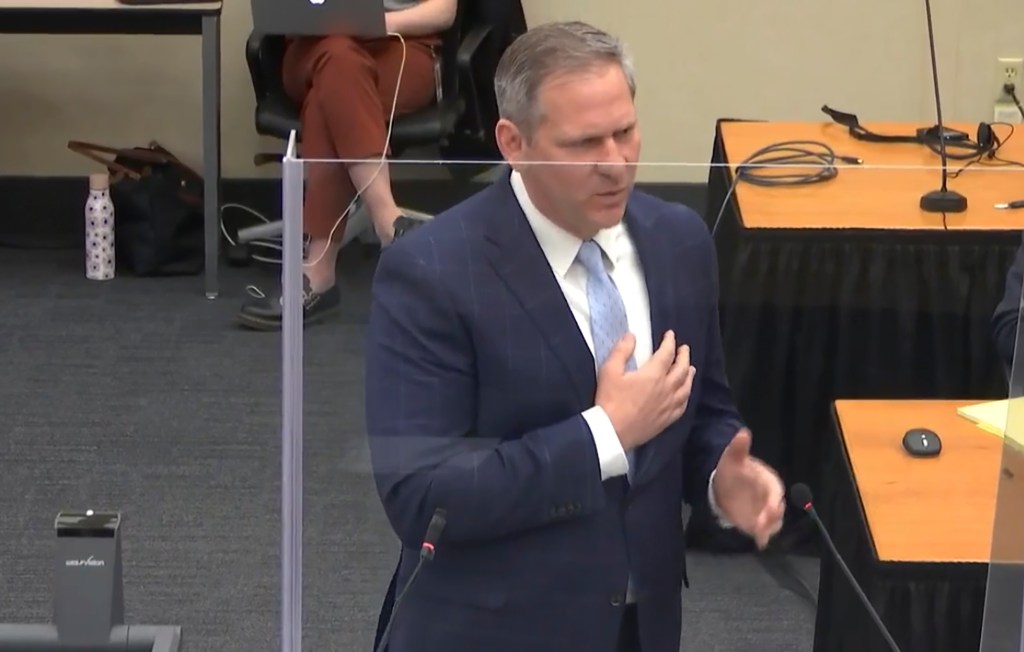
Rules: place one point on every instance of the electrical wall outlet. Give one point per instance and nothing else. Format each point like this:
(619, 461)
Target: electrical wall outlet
(1010, 70)
(1007, 112)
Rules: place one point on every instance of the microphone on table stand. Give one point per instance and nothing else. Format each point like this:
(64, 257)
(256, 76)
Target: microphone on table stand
(800, 496)
(943, 200)
(427, 549)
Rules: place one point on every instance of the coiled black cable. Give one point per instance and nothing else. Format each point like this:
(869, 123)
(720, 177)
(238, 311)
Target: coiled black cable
(786, 163)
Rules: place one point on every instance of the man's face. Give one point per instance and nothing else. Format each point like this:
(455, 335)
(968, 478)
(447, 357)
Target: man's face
(588, 122)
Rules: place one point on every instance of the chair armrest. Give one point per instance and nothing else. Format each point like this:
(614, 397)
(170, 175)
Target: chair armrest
(470, 44)
(253, 58)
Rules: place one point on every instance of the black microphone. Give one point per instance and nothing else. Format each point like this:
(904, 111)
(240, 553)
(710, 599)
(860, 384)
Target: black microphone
(800, 496)
(943, 200)
(427, 550)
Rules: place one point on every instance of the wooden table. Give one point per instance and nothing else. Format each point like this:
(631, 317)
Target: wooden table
(884, 192)
(845, 289)
(110, 5)
(918, 510)
(111, 17)
(916, 532)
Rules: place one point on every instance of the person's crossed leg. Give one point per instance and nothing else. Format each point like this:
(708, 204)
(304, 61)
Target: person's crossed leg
(347, 88)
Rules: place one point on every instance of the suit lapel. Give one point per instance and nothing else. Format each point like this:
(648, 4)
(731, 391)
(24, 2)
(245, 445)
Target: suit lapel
(655, 260)
(520, 263)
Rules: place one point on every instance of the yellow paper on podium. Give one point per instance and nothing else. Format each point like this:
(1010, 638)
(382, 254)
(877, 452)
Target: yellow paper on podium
(993, 417)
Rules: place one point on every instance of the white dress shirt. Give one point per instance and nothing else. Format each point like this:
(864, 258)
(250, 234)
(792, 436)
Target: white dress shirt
(560, 248)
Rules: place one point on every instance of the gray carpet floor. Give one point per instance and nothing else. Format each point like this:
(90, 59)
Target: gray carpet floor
(141, 396)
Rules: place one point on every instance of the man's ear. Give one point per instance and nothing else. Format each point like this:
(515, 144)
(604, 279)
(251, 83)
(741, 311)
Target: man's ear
(510, 141)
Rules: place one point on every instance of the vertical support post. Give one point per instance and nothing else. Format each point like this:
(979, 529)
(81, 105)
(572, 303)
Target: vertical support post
(291, 402)
(211, 151)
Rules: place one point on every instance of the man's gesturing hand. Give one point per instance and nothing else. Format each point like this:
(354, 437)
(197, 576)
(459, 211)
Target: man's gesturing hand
(748, 492)
(642, 403)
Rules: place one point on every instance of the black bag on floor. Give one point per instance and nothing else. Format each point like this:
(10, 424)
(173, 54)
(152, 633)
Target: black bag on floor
(158, 209)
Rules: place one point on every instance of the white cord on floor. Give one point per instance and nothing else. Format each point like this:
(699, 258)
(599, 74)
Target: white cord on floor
(272, 244)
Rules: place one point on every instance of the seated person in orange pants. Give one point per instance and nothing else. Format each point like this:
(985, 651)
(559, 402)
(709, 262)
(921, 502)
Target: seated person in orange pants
(347, 88)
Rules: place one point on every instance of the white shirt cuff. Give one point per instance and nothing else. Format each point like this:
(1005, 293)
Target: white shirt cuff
(610, 454)
(714, 506)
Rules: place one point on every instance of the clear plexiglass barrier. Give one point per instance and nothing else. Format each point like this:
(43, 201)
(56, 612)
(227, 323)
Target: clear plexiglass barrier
(812, 277)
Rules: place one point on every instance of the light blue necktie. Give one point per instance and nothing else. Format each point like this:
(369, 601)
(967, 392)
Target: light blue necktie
(608, 323)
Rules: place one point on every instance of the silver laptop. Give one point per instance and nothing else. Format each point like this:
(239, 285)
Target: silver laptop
(362, 18)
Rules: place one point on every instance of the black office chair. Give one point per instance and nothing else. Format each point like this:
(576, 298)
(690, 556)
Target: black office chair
(458, 114)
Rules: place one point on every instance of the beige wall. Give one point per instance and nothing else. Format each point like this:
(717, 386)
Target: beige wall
(697, 61)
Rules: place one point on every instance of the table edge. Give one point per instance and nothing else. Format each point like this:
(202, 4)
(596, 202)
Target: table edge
(163, 8)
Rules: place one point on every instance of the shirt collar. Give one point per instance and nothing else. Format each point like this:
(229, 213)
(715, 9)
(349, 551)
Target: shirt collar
(559, 246)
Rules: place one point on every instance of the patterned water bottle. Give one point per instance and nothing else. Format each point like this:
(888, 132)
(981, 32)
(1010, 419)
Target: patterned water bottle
(99, 230)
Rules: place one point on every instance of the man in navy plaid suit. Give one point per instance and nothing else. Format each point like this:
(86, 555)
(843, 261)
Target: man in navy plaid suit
(544, 363)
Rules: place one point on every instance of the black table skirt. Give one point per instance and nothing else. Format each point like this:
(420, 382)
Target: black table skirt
(927, 607)
(809, 316)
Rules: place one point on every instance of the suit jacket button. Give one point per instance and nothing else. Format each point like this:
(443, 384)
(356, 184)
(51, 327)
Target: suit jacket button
(617, 600)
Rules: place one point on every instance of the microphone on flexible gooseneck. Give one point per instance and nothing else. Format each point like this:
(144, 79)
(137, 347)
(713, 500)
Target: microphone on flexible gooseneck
(427, 550)
(800, 496)
(943, 200)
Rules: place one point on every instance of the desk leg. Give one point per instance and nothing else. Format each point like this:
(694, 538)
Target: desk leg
(211, 149)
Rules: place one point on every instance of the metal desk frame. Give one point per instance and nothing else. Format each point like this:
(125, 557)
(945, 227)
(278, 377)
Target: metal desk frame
(109, 17)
